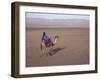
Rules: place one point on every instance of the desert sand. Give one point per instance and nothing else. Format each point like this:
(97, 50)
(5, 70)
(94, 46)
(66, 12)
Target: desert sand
(72, 47)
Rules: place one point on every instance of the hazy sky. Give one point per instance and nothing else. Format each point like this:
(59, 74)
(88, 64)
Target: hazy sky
(51, 20)
(56, 16)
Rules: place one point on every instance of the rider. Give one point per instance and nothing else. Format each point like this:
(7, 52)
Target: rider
(46, 38)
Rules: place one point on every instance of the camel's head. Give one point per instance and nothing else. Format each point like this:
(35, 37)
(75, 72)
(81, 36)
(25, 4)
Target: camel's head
(56, 36)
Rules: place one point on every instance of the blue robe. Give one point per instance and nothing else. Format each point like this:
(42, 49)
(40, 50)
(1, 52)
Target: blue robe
(45, 38)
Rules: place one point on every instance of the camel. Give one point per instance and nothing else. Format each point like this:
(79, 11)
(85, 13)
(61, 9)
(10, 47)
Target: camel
(46, 47)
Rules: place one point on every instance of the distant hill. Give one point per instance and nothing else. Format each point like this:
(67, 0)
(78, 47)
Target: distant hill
(56, 23)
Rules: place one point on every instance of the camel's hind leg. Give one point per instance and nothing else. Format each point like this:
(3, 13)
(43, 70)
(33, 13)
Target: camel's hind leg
(45, 52)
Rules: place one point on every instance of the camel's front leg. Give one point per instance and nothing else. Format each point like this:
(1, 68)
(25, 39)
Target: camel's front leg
(51, 50)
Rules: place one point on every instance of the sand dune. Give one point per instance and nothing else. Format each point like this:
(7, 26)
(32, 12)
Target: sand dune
(72, 47)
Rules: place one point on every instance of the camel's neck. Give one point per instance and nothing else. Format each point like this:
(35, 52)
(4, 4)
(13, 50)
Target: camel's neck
(55, 41)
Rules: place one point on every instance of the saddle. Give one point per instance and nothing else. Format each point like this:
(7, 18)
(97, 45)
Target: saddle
(48, 43)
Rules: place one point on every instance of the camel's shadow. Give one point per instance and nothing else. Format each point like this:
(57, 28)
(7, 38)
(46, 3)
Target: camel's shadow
(56, 50)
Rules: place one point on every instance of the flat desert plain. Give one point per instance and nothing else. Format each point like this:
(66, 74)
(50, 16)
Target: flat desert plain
(72, 47)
